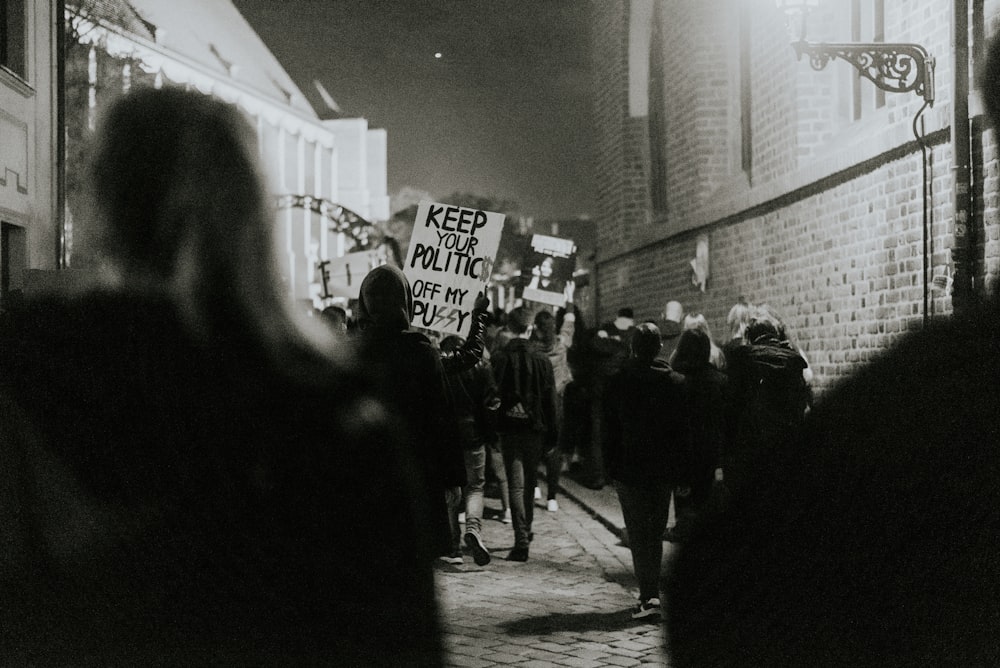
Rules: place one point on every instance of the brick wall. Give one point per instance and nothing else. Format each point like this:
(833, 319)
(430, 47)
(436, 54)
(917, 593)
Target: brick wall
(829, 230)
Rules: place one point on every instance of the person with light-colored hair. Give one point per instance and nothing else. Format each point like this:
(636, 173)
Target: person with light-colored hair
(697, 321)
(182, 455)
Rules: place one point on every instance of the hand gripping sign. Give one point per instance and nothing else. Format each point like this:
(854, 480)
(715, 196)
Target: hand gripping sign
(450, 261)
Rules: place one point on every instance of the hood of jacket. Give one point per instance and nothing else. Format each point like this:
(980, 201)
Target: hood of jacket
(385, 300)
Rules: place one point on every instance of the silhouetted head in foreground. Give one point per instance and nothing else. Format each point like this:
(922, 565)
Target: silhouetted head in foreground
(177, 206)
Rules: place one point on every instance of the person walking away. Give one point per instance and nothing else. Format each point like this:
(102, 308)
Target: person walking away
(769, 399)
(526, 422)
(698, 321)
(610, 346)
(708, 397)
(183, 452)
(555, 346)
(648, 453)
(410, 374)
(474, 399)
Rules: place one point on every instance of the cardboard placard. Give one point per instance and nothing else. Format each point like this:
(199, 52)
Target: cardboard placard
(549, 265)
(450, 260)
(342, 276)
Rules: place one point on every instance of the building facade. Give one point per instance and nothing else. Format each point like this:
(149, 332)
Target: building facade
(29, 211)
(729, 170)
(328, 176)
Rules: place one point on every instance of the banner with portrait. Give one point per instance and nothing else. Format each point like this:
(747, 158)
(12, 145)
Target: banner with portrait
(548, 267)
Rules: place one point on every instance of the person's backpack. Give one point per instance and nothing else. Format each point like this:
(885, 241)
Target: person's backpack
(517, 393)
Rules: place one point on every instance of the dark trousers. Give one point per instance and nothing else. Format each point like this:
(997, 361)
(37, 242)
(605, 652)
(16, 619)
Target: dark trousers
(645, 508)
(521, 454)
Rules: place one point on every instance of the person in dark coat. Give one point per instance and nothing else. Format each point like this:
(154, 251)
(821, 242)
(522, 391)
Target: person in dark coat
(609, 348)
(769, 398)
(474, 400)
(526, 422)
(648, 454)
(181, 457)
(709, 396)
(410, 373)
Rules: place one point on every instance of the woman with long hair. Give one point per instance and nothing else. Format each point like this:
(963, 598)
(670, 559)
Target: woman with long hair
(182, 458)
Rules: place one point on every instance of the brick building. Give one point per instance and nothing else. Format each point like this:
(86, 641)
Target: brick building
(806, 187)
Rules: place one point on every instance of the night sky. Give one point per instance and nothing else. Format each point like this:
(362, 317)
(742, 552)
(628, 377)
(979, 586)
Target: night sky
(504, 111)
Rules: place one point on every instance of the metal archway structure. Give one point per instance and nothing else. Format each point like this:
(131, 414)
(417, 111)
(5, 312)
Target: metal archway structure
(344, 221)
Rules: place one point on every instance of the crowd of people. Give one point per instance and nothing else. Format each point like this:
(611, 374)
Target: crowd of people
(192, 473)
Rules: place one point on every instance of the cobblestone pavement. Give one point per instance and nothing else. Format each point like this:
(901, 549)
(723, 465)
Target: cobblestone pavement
(568, 605)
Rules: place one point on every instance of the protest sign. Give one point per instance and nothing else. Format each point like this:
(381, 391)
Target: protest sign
(342, 276)
(549, 264)
(449, 262)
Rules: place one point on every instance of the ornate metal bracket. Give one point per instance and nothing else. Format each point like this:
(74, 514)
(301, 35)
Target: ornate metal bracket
(897, 68)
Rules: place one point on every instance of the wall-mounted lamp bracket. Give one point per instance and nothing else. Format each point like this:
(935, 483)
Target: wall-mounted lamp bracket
(897, 68)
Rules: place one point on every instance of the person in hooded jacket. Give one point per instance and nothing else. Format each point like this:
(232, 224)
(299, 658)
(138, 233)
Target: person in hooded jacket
(648, 454)
(409, 371)
(182, 454)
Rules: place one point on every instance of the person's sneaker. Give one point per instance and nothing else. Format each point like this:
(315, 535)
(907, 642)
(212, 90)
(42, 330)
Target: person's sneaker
(648, 608)
(507, 519)
(518, 554)
(479, 552)
(453, 558)
(461, 518)
(538, 494)
(553, 505)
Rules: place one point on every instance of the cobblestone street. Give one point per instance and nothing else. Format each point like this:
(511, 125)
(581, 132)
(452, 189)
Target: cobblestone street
(569, 605)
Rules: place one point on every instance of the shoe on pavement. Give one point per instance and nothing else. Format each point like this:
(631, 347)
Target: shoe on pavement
(507, 519)
(553, 505)
(453, 558)
(538, 494)
(518, 554)
(479, 552)
(461, 518)
(648, 608)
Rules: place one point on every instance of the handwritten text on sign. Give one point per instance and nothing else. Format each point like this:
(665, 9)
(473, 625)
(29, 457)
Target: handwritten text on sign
(449, 262)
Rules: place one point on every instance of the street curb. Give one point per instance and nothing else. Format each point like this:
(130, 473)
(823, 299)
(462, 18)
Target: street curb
(589, 501)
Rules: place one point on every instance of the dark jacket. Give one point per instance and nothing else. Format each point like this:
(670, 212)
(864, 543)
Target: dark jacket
(521, 364)
(769, 396)
(474, 400)
(407, 370)
(709, 404)
(647, 425)
(169, 501)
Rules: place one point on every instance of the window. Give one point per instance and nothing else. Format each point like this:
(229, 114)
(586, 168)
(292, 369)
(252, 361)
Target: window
(13, 262)
(746, 91)
(13, 36)
(657, 122)
(867, 25)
